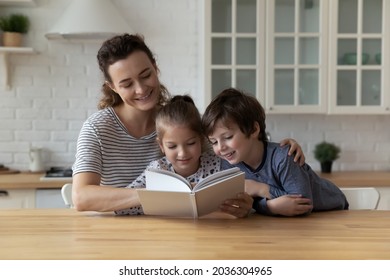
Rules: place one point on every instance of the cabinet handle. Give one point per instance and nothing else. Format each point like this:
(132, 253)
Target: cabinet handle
(3, 193)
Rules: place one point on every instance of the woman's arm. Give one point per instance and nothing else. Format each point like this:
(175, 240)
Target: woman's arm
(296, 149)
(88, 195)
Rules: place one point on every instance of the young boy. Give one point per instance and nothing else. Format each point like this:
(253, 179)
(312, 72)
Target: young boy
(234, 122)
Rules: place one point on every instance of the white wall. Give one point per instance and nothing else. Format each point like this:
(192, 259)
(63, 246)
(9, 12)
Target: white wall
(55, 90)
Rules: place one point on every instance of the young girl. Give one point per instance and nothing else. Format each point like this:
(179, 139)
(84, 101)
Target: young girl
(180, 137)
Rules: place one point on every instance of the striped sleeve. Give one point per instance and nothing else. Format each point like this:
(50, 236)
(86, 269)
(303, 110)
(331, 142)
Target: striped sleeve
(105, 147)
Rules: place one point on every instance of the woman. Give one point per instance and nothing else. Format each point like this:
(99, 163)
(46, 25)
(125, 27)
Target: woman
(116, 143)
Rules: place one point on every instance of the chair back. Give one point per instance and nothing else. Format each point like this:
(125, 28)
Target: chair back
(366, 198)
(66, 192)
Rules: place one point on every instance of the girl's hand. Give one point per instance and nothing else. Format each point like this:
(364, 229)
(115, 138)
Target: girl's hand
(294, 148)
(290, 205)
(240, 206)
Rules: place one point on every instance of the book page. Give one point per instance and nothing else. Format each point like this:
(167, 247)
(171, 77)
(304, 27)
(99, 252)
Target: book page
(209, 180)
(210, 198)
(163, 180)
(163, 203)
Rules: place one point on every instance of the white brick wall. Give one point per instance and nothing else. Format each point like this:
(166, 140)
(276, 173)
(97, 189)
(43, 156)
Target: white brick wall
(55, 90)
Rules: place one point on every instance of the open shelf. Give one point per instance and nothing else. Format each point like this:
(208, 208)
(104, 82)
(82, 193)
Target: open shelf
(27, 3)
(4, 52)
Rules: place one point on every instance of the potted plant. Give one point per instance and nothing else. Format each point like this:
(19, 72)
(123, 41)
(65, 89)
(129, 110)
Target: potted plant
(13, 27)
(326, 153)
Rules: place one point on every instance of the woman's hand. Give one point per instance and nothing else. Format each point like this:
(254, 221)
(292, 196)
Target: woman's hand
(240, 206)
(289, 205)
(294, 148)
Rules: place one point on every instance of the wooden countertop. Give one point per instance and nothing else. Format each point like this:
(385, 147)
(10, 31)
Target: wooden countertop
(29, 180)
(67, 234)
(26, 180)
(359, 178)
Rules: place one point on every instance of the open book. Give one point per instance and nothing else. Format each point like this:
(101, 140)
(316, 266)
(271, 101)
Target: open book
(170, 194)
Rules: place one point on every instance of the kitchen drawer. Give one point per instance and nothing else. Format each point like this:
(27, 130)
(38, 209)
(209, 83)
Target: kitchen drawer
(19, 198)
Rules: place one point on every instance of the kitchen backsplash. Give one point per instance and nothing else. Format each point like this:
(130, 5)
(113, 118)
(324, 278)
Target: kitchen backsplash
(55, 89)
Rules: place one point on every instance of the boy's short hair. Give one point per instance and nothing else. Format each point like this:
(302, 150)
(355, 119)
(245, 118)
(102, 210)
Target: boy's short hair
(233, 105)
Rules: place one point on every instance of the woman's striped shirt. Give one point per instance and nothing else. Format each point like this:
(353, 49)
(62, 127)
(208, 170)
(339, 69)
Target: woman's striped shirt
(105, 147)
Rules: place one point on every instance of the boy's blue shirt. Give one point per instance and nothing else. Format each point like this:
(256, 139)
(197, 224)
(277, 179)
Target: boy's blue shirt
(284, 176)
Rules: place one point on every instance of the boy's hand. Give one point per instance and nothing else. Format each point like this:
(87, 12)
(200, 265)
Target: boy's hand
(257, 189)
(240, 207)
(294, 148)
(289, 205)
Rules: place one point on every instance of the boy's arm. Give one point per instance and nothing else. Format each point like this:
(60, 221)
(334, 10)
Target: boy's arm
(286, 205)
(292, 179)
(295, 195)
(289, 205)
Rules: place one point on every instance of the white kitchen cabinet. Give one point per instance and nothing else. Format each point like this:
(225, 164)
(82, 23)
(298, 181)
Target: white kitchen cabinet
(49, 198)
(272, 49)
(31, 198)
(296, 62)
(359, 57)
(17, 198)
(234, 46)
(292, 54)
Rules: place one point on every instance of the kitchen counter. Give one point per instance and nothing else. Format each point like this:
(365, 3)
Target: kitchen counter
(23, 187)
(30, 180)
(358, 178)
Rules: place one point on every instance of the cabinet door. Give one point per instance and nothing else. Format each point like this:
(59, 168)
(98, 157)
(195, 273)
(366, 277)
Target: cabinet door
(49, 198)
(359, 73)
(17, 199)
(234, 40)
(296, 56)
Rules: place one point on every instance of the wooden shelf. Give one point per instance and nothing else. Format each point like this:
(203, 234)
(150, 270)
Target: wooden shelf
(16, 50)
(27, 3)
(4, 52)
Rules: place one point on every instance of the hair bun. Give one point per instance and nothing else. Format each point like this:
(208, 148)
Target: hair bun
(182, 98)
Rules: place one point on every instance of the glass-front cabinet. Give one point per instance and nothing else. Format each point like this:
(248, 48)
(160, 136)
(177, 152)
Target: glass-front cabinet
(301, 56)
(359, 72)
(234, 46)
(295, 57)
